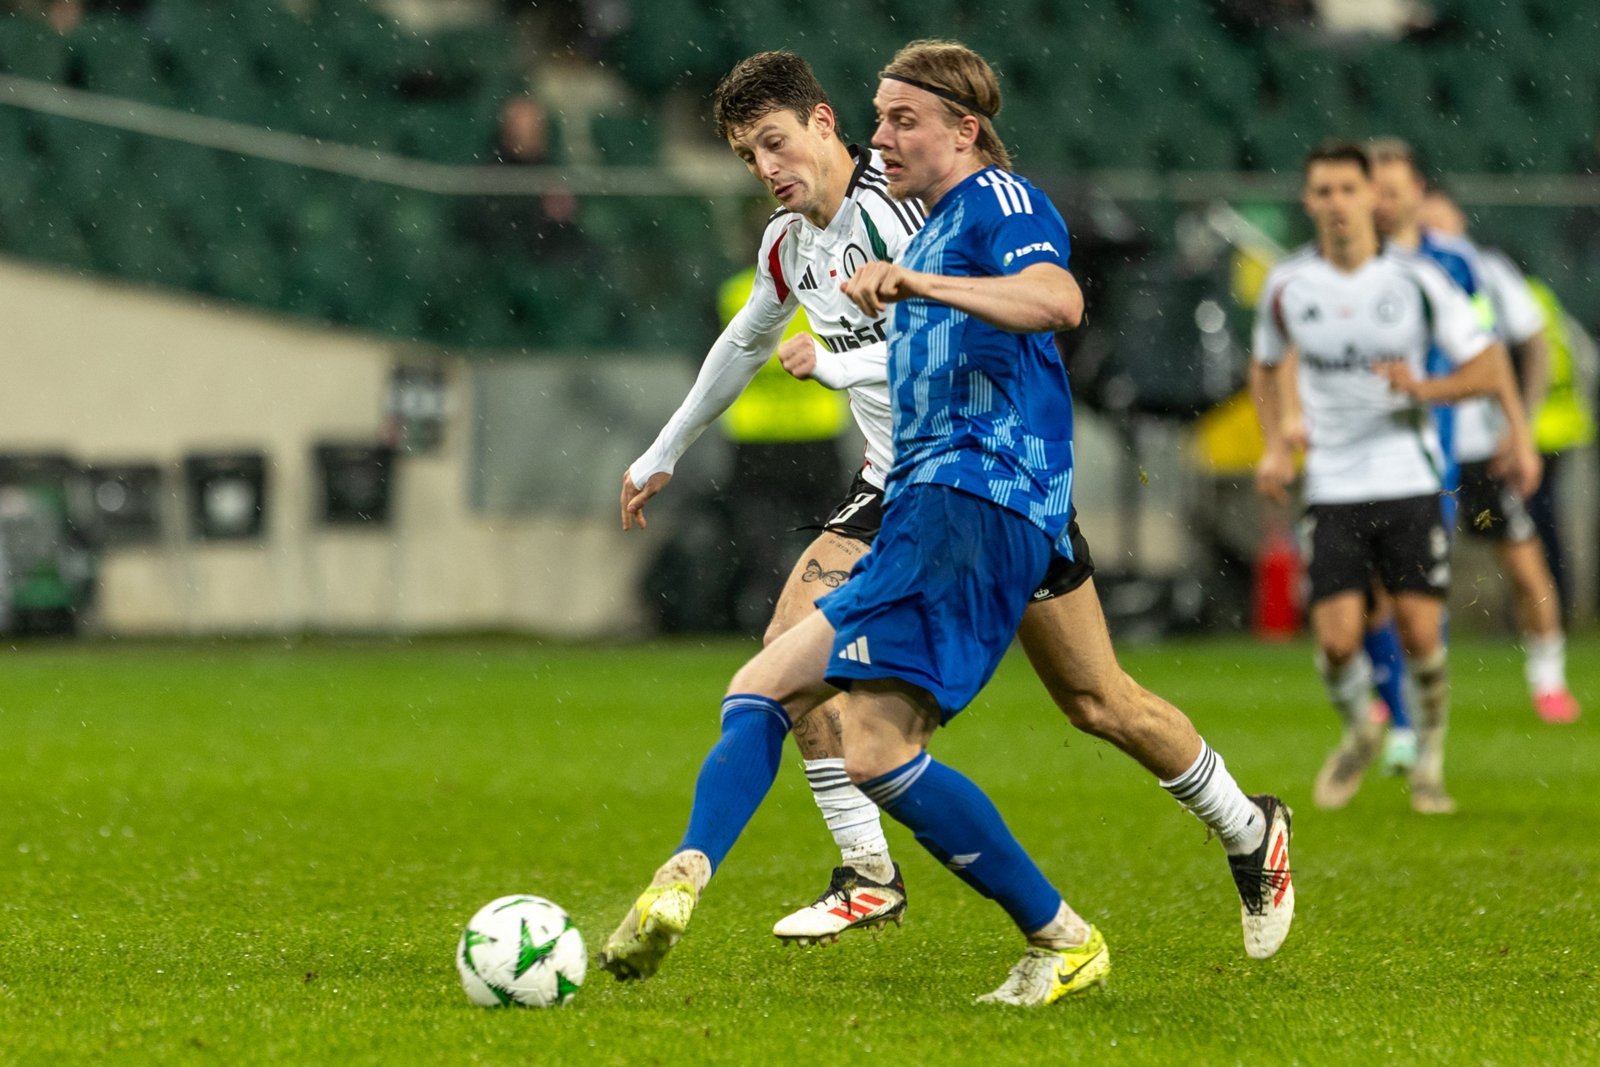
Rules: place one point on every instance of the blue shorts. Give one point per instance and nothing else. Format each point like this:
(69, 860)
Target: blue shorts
(937, 600)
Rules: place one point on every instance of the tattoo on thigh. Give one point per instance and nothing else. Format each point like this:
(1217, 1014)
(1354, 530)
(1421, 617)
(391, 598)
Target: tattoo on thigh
(815, 573)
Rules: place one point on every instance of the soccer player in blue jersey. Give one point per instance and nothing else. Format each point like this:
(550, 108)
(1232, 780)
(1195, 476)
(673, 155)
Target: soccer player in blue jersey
(1492, 509)
(1400, 186)
(1491, 499)
(978, 506)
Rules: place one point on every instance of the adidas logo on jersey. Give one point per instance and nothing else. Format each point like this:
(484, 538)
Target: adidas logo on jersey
(856, 651)
(807, 280)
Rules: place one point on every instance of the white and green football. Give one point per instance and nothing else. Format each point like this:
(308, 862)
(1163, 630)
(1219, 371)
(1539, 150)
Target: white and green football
(521, 951)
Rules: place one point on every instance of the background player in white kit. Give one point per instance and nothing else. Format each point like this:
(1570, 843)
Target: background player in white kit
(1362, 317)
(776, 118)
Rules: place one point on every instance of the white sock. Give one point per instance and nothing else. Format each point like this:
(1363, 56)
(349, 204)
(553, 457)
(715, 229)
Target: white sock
(1546, 667)
(1349, 687)
(852, 819)
(1211, 795)
(1433, 718)
(690, 865)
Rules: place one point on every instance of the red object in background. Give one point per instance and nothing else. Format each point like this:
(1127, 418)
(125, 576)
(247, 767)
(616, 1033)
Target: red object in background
(1277, 588)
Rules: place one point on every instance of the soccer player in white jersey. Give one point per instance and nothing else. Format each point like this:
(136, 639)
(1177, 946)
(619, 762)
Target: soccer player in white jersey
(1362, 316)
(1063, 629)
(835, 215)
(940, 595)
(1490, 508)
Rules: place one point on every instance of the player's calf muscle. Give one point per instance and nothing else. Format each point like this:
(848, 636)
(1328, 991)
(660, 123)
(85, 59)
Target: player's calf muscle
(816, 733)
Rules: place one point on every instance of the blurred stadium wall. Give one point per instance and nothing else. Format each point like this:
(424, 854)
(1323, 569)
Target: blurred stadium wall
(150, 378)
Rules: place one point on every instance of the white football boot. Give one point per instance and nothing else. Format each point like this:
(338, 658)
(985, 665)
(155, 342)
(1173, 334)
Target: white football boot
(1266, 893)
(851, 902)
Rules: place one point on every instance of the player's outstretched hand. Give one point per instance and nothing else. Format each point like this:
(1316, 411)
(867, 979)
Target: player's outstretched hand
(798, 355)
(633, 497)
(879, 283)
(1274, 475)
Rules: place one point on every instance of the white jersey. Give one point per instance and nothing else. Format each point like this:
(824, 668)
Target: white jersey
(1366, 440)
(1480, 423)
(801, 266)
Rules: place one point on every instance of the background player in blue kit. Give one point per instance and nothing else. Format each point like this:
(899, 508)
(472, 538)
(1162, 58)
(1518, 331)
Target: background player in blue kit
(978, 506)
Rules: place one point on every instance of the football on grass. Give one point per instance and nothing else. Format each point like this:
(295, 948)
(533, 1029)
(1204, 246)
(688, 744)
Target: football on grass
(521, 951)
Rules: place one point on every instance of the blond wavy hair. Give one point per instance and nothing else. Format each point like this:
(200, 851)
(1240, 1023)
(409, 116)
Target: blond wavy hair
(958, 70)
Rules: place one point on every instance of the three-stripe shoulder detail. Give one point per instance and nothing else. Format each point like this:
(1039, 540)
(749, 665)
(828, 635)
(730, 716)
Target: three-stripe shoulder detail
(1012, 194)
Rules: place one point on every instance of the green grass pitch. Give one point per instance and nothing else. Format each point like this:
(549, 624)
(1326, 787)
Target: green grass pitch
(262, 852)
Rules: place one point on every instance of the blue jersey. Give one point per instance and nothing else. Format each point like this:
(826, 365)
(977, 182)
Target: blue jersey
(1457, 257)
(1459, 260)
(975, 407)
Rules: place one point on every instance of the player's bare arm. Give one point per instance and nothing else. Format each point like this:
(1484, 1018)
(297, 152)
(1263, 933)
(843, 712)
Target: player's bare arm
(1518, 462)
(1486, 374)
(1533, 357)
(1275, 470)
(1042, 298)
(1295, 433)
(1479, 376)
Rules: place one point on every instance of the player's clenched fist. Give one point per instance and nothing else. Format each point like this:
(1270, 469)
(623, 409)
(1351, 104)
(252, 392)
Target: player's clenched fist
(1399, 376)
(879, 283)
(798, 355)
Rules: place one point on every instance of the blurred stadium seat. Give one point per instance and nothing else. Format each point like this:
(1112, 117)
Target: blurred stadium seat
(1146, 85)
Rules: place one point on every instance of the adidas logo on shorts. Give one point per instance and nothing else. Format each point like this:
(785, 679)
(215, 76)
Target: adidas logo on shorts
(856, 651)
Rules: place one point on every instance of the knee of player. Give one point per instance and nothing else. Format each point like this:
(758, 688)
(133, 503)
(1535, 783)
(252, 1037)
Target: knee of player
(1087, 710)
(1339, 650)
(1100, 710)
(866, 763)
(863, 768)
(1420, 645)
(775, 629)
(752, 678)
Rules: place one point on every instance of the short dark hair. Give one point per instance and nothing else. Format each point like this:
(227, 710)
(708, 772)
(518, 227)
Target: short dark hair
(1394, 150)
(763, 83)
(1339, 152)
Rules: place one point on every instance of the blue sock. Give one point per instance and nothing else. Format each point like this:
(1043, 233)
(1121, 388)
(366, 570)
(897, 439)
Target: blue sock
(737, 773)
(954, 820)
(1389, 671)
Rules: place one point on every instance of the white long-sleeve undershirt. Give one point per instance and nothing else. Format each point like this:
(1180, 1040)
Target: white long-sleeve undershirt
(741, 350)
(853, 367)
